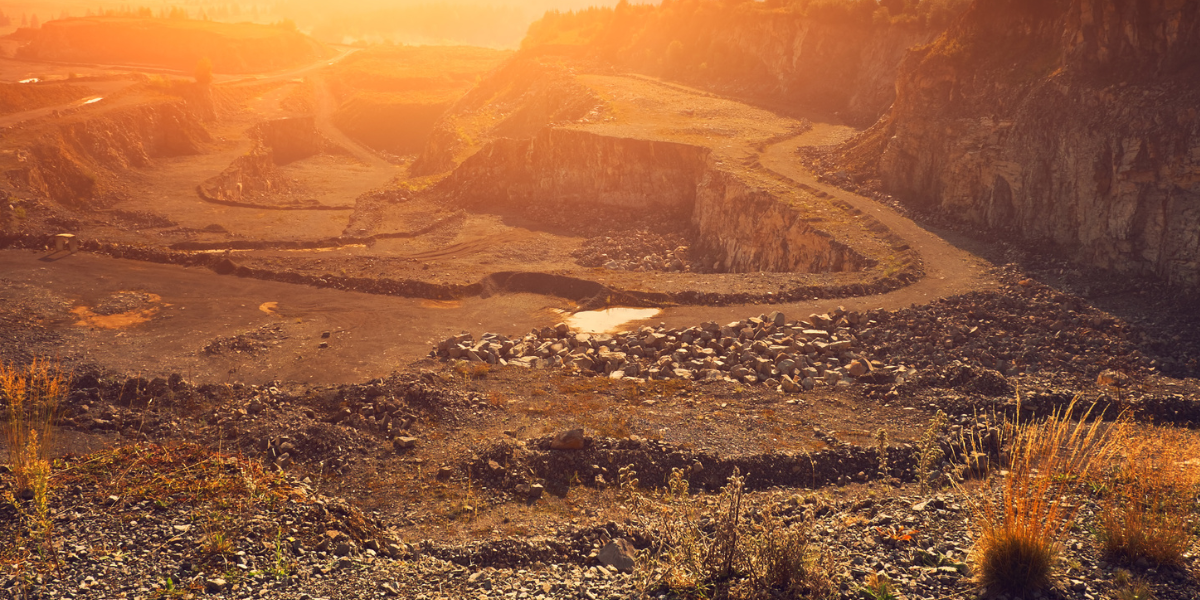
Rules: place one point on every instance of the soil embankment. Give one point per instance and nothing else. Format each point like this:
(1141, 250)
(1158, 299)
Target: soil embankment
(80, 161)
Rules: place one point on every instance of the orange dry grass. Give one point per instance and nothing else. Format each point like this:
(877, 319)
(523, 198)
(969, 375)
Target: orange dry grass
(31, 395)
(1018, 545)
(1150, 509)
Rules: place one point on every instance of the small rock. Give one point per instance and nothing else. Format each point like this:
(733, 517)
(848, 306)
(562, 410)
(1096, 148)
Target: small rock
(215, 585)
(404, 443)
(535, 492)
(571, 439)
(618, 554)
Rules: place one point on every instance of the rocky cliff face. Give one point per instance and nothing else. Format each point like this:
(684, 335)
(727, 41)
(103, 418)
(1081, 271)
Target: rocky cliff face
(75, 162)
(596, 176)
(791, 61)
(825, 56)
(1072, 122)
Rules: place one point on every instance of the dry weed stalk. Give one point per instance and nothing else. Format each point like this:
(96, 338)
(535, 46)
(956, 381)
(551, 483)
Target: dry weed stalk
(32, 395)
(1018, 545)
(1151, 494)
(699, 549)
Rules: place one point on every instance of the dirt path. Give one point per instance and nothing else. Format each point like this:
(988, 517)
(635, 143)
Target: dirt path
(326, 104)
(950, 268)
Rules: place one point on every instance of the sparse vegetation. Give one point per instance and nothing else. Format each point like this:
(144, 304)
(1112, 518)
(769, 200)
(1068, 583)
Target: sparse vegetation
(929, 450)
(1149, 509)
(1023, 523)
(699, 550)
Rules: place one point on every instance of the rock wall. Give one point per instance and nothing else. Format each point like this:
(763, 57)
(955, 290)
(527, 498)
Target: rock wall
(276, 142)
(1071, 122)
(600, 177)
(289, 139)
(792, 61)
(825, 56)
(562, 168)
(81, 159)
(753, 230)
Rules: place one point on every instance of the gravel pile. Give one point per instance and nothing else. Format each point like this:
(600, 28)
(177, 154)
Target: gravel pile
(823, 350)
(638, 251)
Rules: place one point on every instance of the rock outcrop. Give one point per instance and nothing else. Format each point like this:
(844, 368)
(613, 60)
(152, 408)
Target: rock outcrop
(1069, 122)
(276, 142)
(562, 170)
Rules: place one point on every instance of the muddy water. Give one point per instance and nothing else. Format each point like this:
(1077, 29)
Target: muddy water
(609, 320)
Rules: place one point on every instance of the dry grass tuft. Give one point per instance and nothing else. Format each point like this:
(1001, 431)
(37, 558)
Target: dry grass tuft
(1018, 545)
(1149, 509)
(716, 550)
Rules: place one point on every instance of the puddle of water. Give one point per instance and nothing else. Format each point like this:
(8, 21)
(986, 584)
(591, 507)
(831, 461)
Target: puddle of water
(30, 80)
(441, 304)
(608, 320)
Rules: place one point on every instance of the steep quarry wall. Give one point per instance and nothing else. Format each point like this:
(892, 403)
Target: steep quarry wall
(594, 176)
(276, 142)
(788, 60)
(75, 161)
(752, 230)
(825, 56)
(561, 168)
(1072, 122)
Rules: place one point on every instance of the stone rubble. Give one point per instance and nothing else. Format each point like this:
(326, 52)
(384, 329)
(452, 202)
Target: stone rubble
(823, 350)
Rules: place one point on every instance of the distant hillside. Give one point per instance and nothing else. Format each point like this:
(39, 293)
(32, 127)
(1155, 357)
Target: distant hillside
(172, 43)
(828, 55)
(390, 97)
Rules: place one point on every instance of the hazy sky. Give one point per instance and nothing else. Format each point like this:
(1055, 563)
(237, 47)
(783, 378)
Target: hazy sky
(496, 23)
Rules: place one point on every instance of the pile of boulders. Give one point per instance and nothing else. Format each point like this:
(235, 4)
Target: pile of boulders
(823, 350)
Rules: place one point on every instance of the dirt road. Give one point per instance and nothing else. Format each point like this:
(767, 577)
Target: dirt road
(190, 309)
(950, 266)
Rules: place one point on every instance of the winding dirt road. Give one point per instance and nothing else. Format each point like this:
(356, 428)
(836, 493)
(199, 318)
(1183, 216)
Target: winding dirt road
(950, 268)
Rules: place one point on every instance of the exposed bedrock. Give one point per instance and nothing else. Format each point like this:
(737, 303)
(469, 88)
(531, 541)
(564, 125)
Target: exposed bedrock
(577, 172)
(1068, 121)
(276, 142)
(73, 162)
